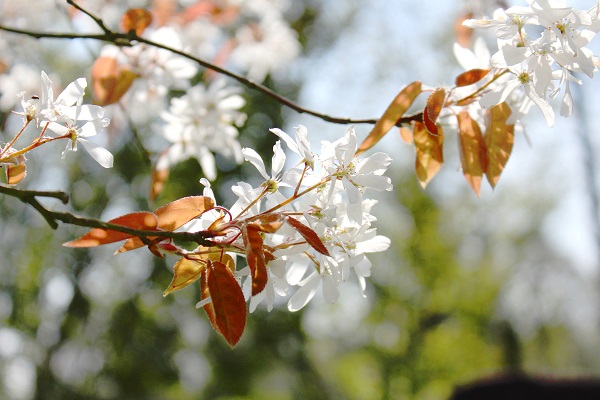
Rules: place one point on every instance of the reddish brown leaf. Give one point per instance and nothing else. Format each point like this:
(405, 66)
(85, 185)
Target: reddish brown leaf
(110, 81)
(470, 77)
(228, 302)
(429, 150)
(15, 173)
(185, 272)
(391, 116)
(225, 259)
(181, 211)
(472, 150)
(137, 19)
(97, 236)
(172, 216)
(309, 235)
(255, 256)
(435, 103)
(499, 139)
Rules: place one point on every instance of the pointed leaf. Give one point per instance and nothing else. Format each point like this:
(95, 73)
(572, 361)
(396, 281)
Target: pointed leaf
(470, 77)
(255, 256)
(137, 19)
(472, 150)
(309, 235)
(15, 173)
(181, 211)
(97, 236)
(172, 216)
(429, 150)
(227, 301)
(185, 272)
(499, 139)
(109, 81)
(391, 116)
(435, 103)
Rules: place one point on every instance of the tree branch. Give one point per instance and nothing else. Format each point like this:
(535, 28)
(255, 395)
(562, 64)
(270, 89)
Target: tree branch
(126, 39)
(53, 217)
(29, 197)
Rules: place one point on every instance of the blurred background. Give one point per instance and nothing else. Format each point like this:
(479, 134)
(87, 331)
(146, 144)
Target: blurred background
(471, 287)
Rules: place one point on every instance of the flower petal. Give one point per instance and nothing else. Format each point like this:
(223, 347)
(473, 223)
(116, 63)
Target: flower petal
(99, 153)
(305, 293)
(72, 93)
(253, 157)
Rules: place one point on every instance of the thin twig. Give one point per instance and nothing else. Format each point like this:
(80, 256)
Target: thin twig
(29, 197)
(97, 20)
(121, 39)
(53, 217)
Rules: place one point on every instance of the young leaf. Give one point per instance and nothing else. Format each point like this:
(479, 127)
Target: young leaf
(470, 77)
(181, 211)
(174, 215)
(309, 235)
(472, 150)
(430, 155)
(255, 256)
(109, 81)
(392, 114)
(137, 19)
(96, 237)
(499, 139)
(185, 272)
(435, 103)
(15, 173)
(228, 302)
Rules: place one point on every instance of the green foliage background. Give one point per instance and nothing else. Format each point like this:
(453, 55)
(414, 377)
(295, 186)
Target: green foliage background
(431, 320)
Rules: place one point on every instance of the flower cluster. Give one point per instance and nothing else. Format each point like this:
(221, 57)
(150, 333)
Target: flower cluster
(66, 116)
(250, 36)
(203, 122)
(541, 49)
(320, 196)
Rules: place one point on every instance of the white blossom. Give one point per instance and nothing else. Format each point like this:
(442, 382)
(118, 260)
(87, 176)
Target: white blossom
(202, 122)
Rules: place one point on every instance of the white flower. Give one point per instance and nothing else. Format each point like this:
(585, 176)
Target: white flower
(356, 175)
(310, 286)
(469, 59)
(300, 145)
(79, 134)
(201, 122)
(534, 77)
(265, 47)
(277, 164)
(64, 114)
(276, 285)
(505, 23)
